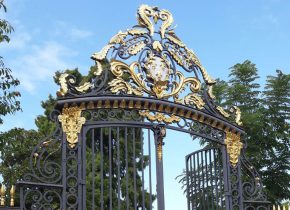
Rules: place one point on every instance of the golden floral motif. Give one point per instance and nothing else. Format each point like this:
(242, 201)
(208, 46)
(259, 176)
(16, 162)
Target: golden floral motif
(72, 123)
(159, 117)
(234, 146)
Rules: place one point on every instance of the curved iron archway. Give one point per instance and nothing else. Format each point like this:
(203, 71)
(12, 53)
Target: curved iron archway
(141, 86)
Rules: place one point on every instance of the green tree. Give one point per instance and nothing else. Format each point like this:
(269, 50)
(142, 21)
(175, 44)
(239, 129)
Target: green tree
(9, 103)
(276, 99)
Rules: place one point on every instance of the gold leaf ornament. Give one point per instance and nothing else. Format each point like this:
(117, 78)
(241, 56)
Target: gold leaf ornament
(159, 117)
(72, 123)
(234, 146)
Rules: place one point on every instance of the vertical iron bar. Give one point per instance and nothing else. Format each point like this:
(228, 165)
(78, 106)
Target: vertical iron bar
(79, 168)
(187, 182)
(226, 179)
(102, 170)
(134, 169)
(208, 193)
(110, 167)
(118, 158)
(194, 201)
(142, 166)
(203, 181)
(198, 182)
(84, 146)
(150, 181)
(240, 190)
(64, 178)
(93, 169)
(127, 173)
(211, 177)
(215, 157)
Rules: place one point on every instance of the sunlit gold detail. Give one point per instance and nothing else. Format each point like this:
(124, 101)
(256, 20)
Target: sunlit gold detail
(2, 195)
(157, 46)
(188, 114)
(131, 105)
(107, 104)
(222, 111)
(12, 196)
(181, 113)
(72, 122)
(118, 68)
(160, 108)
(153, 106)
(83, 88)
(138, 105)
(99, 105)
(63, 85)
(144, 14)
(137, 31)
(238, 114)
(146, 105)
(167, 109)
(136, 48)
(90, 105)
(159, 151)
(210, 92)
(173, 38)
(174, 110)
(117, 39)
(159, 117)
(99, 56)
(123, 104)
(116, 104)
(234, 146)
(167, 18)
(194, 99)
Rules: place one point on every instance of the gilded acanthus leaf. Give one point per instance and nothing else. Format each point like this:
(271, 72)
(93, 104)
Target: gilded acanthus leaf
(210, 92)
(99, 68)
(144, 13)
(176, 57)
(63, 85)
(118, 38)
(193, 99)
(136, 31)
(238, 114)
(103, 53)
(136, 48)
(157, 46)
(167, 18)
(175, 40)
(159, 117)
(222, 111)
(83, 88)
(119, 85)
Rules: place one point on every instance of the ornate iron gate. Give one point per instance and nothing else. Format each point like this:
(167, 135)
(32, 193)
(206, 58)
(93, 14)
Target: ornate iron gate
(107, 150)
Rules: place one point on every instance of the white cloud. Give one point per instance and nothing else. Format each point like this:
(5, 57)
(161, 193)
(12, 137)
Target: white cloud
(40, 64)
(73, 33)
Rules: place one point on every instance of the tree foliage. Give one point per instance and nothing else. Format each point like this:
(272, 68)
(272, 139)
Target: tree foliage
(9, 102)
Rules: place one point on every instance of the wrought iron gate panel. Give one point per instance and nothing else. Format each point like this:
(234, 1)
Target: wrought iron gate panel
(151, 81)
(205, 180)
(117, 168)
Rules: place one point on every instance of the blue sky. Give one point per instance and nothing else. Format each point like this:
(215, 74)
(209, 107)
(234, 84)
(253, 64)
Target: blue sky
(56, 35)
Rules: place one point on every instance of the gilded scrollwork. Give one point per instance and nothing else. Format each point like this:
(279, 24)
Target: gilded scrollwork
(236, 110)
(159, 117)
(234, 146)
(146, 60)
(72, 123)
